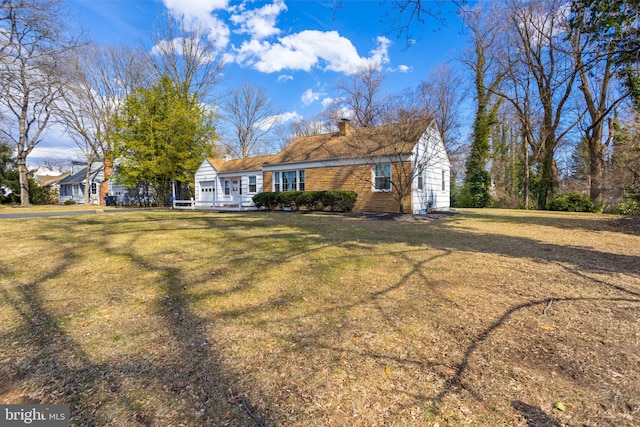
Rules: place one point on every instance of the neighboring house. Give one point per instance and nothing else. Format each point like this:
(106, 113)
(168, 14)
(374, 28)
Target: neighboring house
(51, 182)
(75, 185)
(361, 160)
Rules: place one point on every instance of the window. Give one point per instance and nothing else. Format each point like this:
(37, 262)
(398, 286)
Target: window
(94, 188)
(252, 184)
(276, 181)
(382, 177)
(420, 178)
(227, 187)
(444, 181)
(288, 181)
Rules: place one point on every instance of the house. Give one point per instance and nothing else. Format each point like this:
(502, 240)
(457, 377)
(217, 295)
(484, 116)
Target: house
(225, 183)
(51, 183)
(379, 163)
(74, 186)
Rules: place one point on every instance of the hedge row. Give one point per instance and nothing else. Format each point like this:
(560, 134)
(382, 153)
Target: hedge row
(332, 200)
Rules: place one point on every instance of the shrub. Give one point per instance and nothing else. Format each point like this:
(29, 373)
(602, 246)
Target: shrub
(69, 202)
(333, 200)
(626, 208)
(39, 195)
(267, 200)
(572, 202)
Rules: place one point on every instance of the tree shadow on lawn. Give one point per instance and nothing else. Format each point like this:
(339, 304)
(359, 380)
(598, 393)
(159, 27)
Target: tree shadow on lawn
(577, 261)
(51, 362)
(198, 363)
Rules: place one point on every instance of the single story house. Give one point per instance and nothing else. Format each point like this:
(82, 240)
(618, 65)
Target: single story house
(222, 183)
(378, 163)
(51, 182)
(74, 186)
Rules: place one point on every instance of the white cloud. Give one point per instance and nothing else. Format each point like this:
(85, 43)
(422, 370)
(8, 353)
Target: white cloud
(284, 78)
(309, 96)
(198, 13)
(380, 55)
(287, 117)
(260, 23)
(327, 101)
(402, 69)
(309, 49)
(278, 119)
(195, 7)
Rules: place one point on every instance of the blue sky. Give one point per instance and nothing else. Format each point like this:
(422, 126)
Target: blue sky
(296, 50)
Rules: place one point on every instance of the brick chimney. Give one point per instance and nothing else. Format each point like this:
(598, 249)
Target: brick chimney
(343, 127)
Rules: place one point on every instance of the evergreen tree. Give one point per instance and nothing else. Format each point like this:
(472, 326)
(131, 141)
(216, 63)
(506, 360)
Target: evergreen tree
(9, 182)
(161, 135)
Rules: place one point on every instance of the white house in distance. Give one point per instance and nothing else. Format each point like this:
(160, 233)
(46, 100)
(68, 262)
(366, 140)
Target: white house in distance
(362, 160)
(226, 183)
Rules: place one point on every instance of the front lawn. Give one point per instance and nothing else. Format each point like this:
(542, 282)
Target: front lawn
(169, 318)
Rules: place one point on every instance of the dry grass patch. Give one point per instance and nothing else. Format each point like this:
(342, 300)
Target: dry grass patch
(187, 318)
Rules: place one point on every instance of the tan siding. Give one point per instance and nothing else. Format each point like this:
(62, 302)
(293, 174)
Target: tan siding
(354, 178)
(267, 180)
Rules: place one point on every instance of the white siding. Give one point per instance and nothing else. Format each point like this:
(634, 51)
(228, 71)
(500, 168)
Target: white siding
(430, 151)
(205, 173)
(207, 177)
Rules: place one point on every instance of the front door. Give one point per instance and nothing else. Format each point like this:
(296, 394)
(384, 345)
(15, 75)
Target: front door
(236, 189)
(232, 190)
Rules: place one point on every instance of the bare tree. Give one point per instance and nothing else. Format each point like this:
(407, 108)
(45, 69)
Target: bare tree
(541, 33)
(289, 132)
(360, 95)
(35, 45)
(444, 92)
(187, 54)
(596, 70)
(251, 116)
(101, 76)
(404, 16)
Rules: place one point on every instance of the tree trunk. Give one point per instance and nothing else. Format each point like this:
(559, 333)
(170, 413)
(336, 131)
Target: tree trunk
(596, 169)
(87, 180)
(549, 181)
(526, 174)
(23, 173)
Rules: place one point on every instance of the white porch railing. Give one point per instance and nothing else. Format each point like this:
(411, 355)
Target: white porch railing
(214, 205)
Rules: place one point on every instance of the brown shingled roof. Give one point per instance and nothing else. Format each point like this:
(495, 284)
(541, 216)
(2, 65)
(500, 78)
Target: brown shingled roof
(371, 141)
(246, 164)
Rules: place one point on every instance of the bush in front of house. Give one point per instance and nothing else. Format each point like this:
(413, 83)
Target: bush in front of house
(331, 200)
(268, 200)
(572, 202)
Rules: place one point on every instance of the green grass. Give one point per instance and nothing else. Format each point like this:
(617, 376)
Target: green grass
(487, 317)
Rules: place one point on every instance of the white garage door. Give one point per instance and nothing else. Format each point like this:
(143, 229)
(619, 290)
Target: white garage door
(206, 191)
